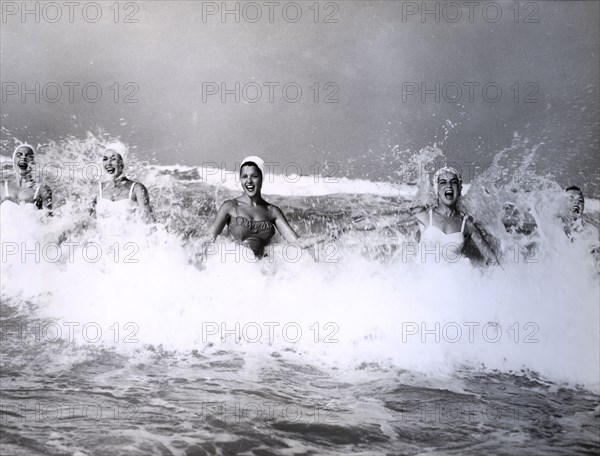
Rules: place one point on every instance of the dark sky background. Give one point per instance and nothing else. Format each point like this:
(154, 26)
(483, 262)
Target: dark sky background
(369, 53)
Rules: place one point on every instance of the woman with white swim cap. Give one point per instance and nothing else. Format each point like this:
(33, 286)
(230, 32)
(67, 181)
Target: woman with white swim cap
(443, 226)
(24, 190)
(251, 219)
(120, 195)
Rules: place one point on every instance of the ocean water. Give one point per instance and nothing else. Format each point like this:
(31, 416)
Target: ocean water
(118, 340)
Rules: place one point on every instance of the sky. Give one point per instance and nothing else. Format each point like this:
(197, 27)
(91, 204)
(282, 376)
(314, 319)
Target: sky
(162, 78)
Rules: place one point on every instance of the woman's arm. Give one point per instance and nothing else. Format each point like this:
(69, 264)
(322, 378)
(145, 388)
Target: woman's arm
(290, 235)
(220, 220)
(143, 200)
(216, 228)
(6, 197)
(93, 206)
(484, 248)
(283, 225)
(46, 199)
(422, 221)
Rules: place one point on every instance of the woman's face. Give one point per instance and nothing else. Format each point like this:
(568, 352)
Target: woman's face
(24, 160)
(448, 186)
(251, 179)
(113, 163)
(576, 203)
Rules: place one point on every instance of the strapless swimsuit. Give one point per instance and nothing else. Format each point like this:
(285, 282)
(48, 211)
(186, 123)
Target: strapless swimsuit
(253, 234)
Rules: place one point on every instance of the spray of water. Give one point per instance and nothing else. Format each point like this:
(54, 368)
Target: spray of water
(362, 303)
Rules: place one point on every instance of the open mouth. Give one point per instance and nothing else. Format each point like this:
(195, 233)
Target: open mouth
(110, 169)
(22, 165)
(575, 209)
(449, 194)
(250, 188)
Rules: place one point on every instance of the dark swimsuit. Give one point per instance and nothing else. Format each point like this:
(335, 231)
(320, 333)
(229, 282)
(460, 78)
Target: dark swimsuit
(251, 233)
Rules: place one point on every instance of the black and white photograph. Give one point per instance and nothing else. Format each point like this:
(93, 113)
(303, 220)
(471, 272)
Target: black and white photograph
(299, 228)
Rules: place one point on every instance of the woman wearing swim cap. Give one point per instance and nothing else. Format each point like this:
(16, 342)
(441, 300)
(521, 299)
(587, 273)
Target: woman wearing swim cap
(443, 226)
(120, 195)
(251, 219)
(24, 190)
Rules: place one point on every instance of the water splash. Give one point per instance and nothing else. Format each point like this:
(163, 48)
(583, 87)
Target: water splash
(372, 304)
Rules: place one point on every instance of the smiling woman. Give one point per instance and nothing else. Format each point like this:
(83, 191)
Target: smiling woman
(251, 219)
(24, 189)
(120, 195)
(443, 229)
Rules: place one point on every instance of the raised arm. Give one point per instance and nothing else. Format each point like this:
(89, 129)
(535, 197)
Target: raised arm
(143, 201)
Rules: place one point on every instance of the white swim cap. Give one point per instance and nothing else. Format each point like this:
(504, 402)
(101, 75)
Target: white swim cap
(445, 169)
(117, 147)
(259, 162)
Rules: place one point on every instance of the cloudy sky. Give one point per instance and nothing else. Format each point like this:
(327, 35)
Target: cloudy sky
(370, 58)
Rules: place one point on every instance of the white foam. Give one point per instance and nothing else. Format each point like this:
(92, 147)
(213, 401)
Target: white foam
(368, 304)
(548, 314)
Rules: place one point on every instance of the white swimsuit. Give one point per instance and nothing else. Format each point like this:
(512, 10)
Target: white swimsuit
(20, 221)
(432, 236)
(25, 203)
(114, 216)
(107, 208)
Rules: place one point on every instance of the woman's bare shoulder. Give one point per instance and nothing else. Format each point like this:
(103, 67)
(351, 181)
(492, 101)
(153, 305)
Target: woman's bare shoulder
(228, 205)
(422, 216)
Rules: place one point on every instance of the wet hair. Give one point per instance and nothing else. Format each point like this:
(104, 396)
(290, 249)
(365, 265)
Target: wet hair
(250, 163)
(574, 188)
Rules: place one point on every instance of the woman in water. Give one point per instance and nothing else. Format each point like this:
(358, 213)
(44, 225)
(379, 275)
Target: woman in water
(573, 221)
(120, 195)
(251, 219)
(574, 224)
(444, 226)
(24, 190)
